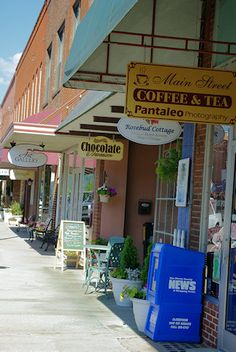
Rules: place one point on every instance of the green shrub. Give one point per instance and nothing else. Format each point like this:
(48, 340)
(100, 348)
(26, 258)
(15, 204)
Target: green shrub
(129, 264)
(16, 208)
(144, 270)
(132, 292)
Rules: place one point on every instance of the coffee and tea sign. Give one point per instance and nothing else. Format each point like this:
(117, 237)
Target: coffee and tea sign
(181, 94)
(27, 155)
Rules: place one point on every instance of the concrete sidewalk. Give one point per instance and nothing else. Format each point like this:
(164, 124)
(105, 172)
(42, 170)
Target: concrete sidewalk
(44, 309)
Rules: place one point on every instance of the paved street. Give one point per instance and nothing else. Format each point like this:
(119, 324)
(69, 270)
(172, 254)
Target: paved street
(44, 309)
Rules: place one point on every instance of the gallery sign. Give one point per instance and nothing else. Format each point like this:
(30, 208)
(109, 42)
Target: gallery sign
(100, 148)
(181, 94)
(27, 155)
(149, 131)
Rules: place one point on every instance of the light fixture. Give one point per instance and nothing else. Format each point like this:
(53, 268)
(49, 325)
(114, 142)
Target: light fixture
(13, 144)
(29, 182)
(42, 145)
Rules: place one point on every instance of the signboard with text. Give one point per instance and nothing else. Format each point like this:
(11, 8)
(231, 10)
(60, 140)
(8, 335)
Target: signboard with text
(27, 155)
(181, 94)
(149, 132)
(71, 238)
(100, 148)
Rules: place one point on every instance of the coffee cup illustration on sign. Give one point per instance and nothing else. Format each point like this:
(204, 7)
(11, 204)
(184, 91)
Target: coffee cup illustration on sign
(141, 80)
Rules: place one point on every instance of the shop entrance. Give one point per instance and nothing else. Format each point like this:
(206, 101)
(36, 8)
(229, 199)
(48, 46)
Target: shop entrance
(227, 317)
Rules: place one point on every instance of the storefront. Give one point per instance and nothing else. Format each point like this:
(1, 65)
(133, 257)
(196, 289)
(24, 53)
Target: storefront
(151, 32)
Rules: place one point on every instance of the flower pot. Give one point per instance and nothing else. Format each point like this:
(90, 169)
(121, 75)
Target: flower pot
(140, 310)
(7, 214)
(104, 198)
(18, 219)
(117, 288)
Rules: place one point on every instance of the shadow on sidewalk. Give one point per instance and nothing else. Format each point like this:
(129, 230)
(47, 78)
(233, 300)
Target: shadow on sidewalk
(126, 315)
(35, 244)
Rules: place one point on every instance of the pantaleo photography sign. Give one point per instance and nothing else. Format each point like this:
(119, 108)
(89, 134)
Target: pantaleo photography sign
(100, 148)
(181, 94)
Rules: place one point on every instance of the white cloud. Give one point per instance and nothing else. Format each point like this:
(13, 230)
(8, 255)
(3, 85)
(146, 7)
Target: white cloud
(7, 68)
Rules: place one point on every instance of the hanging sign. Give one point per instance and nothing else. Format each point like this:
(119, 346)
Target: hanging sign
(149, 131)
(100, 148)
(181, 94)
(27, 155)
(21, 174)
(4, 172)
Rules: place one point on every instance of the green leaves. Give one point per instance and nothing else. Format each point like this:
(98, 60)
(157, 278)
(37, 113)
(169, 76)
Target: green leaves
(167, 166)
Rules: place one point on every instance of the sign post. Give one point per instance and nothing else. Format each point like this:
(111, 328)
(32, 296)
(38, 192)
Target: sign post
(71, 238)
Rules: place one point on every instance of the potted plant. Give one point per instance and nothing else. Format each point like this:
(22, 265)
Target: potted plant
(16, 211)
(138, 296)
(140, 304)
(167, 166)
(105, 193)
(127, 274)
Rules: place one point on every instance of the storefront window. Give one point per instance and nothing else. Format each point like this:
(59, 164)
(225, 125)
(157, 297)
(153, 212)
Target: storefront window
(231, 289)
(216, 214)
(45, 194)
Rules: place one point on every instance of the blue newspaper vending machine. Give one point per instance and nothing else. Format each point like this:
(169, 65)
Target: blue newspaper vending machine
(174, 290)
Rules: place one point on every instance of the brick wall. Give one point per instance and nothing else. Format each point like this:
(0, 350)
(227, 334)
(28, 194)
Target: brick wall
(210, 310)
(197, 186)
(97, 208)
(210, 323)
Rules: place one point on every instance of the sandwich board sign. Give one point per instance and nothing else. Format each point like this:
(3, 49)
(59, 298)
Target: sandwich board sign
(71, 238)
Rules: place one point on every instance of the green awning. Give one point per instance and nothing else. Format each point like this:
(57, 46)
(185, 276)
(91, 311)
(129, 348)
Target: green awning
(114, 33)
(100, 20)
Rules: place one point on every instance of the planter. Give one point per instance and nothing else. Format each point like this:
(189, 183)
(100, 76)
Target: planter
(18, 219)
(140, 310)
(104, 198)
(7, 214)
(117, 288)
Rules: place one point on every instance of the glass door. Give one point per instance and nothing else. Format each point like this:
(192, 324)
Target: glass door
(227, 317)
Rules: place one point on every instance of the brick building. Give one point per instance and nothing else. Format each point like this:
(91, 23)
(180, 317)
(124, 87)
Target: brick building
(107, 36)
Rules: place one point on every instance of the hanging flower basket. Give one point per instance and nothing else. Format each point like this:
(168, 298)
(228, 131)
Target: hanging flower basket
(105, 193)
(104, 198)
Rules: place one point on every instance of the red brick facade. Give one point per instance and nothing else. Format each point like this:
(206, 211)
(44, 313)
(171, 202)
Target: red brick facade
(210, 310)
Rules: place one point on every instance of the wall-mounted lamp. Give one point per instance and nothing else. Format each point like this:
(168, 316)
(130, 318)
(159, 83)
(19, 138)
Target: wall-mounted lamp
(29, 182)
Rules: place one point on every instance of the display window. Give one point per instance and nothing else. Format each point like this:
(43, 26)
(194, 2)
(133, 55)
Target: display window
(216, 214)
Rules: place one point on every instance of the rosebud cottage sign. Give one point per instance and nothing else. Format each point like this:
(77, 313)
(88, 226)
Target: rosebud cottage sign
(150, 132)
(27, 155)
(181, 94)
(100, 148)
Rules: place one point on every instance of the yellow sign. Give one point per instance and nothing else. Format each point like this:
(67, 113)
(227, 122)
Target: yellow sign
(100, 148)
(181, 94)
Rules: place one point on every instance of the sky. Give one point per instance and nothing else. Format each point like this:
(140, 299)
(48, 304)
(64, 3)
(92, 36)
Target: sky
(17, 20)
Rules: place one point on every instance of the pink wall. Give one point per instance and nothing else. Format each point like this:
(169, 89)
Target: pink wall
(113, 213)
(141, 185)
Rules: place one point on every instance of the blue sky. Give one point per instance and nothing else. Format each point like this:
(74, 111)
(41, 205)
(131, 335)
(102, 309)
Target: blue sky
(17, 20)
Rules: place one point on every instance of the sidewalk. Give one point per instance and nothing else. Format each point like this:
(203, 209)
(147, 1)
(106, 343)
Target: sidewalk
(45, 310)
